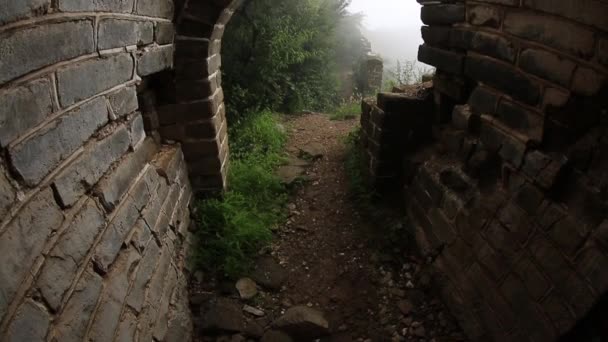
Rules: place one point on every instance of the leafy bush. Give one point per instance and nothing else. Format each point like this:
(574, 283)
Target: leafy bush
(235, 227)
(348, 110)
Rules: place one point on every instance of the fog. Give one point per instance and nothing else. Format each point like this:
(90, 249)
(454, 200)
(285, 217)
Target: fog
(392, 27)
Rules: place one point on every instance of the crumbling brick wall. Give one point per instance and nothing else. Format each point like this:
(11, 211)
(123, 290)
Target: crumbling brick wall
(510, 202)
(93, 212)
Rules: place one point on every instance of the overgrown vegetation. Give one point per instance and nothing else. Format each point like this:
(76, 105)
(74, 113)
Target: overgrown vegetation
(286, 55)
(349, 109)
(359, 186)
(406, 73)
(232, 229)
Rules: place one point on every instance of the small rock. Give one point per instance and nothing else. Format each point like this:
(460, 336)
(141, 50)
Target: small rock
(302, 322)
(312, 150)
(253, 311)
(247, 288)
(225, 315)
(419, 331)
(405, 306)
(269, 273)
(289, 174)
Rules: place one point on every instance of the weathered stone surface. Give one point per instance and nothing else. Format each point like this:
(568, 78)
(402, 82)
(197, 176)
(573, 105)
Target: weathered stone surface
(7, 194)
(226, 316)
(124, 101)
(126, 328)
(30, 324)
(603, 51)
(503, 77)
(115, 33)
(37, 156)
(492, 45)
(554, 32)
(83, 80)
(443, 14)
(108, 248)
(164, 33)
(445, 60)
(484, 16)
(21, 49)
(153, 8)
(72, 323)
(155, 60)
(162, 318)
(123, 6)
(88, 169)
(302, 322)
(107, 317)
(247, 288)
(22, 242)
(547, 65)
(136, 297)
(12, 10)
(23, 108)
(289, 174)
(592, 13)
(587, 81)
(521, 118)
(113, 186)
(67, 255)
(136, 130)
(269, 273)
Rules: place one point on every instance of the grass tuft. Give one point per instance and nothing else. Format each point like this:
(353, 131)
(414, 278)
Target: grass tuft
(231, 230)
(347, 111)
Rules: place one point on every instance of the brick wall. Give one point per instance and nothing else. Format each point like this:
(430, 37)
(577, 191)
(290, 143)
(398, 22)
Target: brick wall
(93, 211)
(509, 198)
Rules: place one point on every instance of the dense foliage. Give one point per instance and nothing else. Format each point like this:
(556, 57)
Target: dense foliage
(235, 227)
(285, 55)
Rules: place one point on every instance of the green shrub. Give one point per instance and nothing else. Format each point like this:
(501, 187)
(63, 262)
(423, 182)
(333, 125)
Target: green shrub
(348, 110)
(232, 229)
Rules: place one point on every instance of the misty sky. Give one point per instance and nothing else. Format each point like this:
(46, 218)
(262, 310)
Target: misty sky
(392, 27)
(388, 14)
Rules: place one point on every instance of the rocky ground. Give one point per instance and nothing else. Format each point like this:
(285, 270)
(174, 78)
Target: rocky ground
(333, 272)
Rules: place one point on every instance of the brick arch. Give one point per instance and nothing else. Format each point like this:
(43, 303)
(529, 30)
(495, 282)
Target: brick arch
(197, 117)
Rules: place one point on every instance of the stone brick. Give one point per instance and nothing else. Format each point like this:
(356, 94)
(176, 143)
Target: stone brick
(30, 323)
(34, 158)
(557, 311)
(534, 163)
(442, 59)
(67, 255)
(122, 6)
(114, 185)
(503, 77)
(84, 173)
(154, 8)
(72, 324)
(112, 240)
(83, 80)
(162, 318)
(114, 33)
(547, 65)
(155, 60)
(451, 85)
(591, 263)
(124, 101)
(156, 283)
(23, 240)
(589, 12)
(484, 16)
(555, 98)
(107, 317)
(557, 33)
(127, 328)
(587, 82)
(7, 194)
(529, 199)
(568, 234)
(21, 49)
(136, 131)
(601, 233)
(521, 119)
(23, 108)
(146, 268)
(536, 283)
(436, 35)
(445, 14)
(491, 45)
(483, 101)
(14, 10)
(164, 33)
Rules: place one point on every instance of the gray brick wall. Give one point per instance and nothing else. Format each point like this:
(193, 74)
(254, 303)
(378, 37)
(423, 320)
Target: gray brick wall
(80, 179)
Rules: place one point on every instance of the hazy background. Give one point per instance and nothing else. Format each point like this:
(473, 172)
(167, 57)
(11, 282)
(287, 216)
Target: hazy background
(392, 27)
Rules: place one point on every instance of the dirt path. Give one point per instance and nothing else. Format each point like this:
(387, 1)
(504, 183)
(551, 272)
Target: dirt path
(335, 261)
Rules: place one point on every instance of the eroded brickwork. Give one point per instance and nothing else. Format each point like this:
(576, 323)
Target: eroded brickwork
(509, 198)
(93, 211)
